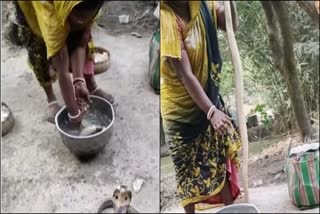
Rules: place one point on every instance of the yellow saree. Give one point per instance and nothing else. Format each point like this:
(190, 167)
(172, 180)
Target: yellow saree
(201, 158)
(48, 20)
(173, 93)
(43, 30)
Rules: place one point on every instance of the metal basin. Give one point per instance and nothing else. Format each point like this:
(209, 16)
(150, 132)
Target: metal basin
(8, 120)
(239, 208)
(92, 144)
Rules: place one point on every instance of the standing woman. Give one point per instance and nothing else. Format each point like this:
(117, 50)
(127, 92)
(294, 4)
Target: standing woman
(202, 139)
(57, 36)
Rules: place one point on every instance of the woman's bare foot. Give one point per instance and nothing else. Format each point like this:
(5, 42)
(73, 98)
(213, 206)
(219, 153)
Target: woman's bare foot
(53, 108)
(101, 93)
(94, 90)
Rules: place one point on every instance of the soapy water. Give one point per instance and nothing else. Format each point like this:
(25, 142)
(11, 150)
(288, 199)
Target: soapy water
(92, 122)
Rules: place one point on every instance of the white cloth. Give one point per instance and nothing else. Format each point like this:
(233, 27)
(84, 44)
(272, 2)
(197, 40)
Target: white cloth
(304, 148)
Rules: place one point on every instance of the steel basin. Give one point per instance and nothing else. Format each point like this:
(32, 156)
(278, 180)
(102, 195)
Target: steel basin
(92, 144)
(239, 208)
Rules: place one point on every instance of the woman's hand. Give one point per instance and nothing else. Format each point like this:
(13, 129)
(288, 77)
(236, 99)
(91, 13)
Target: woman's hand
(221, 19)
(75, 123)
(82, 96)
(220, 122)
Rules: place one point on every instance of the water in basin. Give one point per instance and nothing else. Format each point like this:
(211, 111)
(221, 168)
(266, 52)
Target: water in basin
(92, 118)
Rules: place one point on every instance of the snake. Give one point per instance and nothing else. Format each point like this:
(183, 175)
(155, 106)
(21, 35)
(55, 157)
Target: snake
(120, 201)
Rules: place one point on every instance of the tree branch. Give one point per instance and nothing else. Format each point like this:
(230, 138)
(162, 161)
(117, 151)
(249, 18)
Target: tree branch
(290, 71)
(273, 34)
(282, 13)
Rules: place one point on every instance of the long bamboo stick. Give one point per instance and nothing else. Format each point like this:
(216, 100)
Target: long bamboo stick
(235, 55)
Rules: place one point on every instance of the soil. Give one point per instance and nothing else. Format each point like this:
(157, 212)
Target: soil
(168, 195)
(267, 199)
(141, 18)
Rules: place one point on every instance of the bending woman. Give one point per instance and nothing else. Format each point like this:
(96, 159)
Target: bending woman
(57, 36)
(202, 138)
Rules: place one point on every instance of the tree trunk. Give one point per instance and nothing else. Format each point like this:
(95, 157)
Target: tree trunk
(281, 44)
(310, 8)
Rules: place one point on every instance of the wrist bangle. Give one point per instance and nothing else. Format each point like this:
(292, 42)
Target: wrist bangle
(95, 90)
(210, 112)
(76, 116)
(78, 79)
(79, 83)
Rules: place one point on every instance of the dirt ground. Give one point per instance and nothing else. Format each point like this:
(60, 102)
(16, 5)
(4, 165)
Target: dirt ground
(141, 18)
(266, 178)
(39, 174)
(268, 199)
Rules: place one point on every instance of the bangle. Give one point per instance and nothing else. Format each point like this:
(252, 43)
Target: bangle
(95, 90)
(210, 112)
(74, 117)
(78, 79)
(79, 83)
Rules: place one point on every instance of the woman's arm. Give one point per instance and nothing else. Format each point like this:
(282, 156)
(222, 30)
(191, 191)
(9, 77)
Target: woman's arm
(61, 64)
(183, 70)
(78, 58)
(221, 19)
(182, 67)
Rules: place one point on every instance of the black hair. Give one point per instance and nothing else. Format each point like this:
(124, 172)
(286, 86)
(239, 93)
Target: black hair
(89, 5)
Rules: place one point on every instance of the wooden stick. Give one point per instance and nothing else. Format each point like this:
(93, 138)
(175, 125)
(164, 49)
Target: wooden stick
(239, 95)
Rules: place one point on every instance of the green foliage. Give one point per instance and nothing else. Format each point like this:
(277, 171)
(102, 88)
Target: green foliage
(261, 109)
(261, 78)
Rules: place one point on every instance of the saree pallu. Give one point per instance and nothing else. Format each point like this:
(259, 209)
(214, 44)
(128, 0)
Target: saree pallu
(43, 37)
(202, 159)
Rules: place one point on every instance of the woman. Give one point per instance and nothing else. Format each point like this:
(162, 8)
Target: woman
(57, 36)
(200, 134)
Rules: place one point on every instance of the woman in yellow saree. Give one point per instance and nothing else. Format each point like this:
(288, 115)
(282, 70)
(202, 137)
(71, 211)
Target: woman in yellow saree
(57, 36)
(202, 138)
